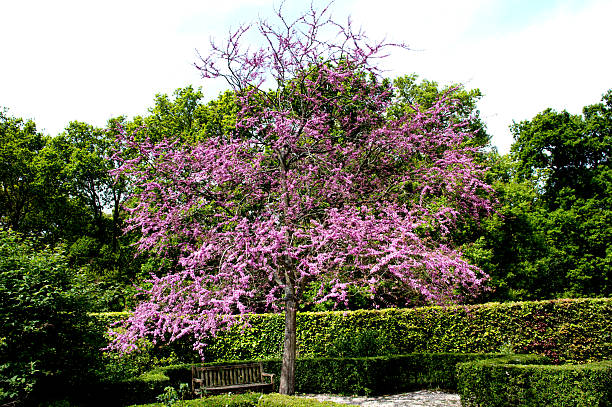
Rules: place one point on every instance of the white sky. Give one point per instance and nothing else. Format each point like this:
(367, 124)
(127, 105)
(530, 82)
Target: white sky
(66, 60)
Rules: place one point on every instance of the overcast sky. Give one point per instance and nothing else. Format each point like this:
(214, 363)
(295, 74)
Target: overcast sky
(86, 60)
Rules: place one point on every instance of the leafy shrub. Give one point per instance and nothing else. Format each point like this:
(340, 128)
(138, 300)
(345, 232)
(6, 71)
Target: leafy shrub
(528, 381)
(46, 344)
(278, 400)
(253, 400)
(224, 400)
(172, 397)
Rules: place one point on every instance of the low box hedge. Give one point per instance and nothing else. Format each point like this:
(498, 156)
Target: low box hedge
(279, 400)
(381, 374)
(250, 400)
(530, 381)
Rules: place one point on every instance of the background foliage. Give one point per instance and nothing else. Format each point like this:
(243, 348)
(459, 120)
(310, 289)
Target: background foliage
(46, 342)
(551, 238)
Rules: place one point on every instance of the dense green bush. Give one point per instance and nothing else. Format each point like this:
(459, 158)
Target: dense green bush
(141, 388)
(47, 345)
(524, 381)
(564, 330)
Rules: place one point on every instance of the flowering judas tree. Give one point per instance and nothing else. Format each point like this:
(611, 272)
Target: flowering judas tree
(315, 186)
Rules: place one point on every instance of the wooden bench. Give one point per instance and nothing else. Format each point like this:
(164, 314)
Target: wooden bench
(230, 378)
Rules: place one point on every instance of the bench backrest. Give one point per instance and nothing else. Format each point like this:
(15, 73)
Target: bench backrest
(217, 376)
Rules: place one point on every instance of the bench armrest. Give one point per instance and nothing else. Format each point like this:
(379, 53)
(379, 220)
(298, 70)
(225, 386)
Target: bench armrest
(270, 375)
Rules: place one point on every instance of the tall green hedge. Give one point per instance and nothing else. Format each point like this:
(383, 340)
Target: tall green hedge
(521, 382)
(569, 330)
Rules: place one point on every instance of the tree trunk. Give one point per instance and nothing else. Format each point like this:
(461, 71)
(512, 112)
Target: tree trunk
(287, 379)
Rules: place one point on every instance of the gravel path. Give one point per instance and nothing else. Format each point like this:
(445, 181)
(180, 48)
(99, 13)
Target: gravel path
(423, 398)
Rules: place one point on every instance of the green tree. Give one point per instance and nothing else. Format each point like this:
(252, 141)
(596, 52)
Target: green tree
(553, 237)
(411, 92)
(86, 168)
(20, 184)
(34, 195)
(568, 156)
(512, 245)
(187, 117)
(102, 254)
(59, 190)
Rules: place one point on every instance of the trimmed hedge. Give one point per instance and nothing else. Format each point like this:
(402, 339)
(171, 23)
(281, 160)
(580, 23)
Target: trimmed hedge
(251, 400)
(527, 381)
(569, 330)
(378, 375)
(279, 400)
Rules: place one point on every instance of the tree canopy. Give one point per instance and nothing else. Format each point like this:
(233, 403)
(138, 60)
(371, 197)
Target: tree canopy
(553, 239)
